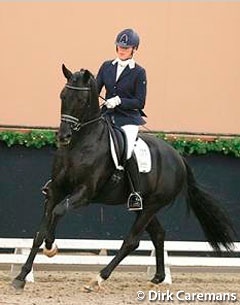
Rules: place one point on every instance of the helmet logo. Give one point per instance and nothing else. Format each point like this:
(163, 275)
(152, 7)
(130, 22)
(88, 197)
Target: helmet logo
(124, 39)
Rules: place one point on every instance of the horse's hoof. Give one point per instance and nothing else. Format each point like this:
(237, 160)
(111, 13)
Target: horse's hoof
(94, 285)
(50, 252)
(18, 284)
(87, 288)
(157, 279)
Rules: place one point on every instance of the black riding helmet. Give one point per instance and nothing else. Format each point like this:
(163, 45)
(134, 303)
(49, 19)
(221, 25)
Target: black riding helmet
(127, 38)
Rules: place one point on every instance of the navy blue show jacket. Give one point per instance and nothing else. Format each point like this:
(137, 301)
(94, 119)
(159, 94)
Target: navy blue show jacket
(130, 87)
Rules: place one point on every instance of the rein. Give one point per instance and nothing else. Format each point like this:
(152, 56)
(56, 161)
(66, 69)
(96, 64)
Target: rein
(75, 122)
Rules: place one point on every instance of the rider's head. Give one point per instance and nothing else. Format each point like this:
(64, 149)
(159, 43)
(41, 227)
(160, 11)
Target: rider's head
(127, 42)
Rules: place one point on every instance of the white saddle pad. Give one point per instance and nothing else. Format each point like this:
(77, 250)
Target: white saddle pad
(142, 153)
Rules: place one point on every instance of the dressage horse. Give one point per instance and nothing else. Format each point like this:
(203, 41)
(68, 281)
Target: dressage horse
(82, 174)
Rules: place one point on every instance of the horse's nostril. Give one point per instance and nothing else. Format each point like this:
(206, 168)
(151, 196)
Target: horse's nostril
(64, 138)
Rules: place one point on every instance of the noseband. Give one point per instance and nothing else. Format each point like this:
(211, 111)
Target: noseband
(72, 120)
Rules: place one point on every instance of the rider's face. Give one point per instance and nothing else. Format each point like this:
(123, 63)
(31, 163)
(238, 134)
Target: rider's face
(125, 53)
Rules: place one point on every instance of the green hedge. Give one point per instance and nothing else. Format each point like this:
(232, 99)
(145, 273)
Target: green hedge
(198, 146)
(34, 138)
(185, 145)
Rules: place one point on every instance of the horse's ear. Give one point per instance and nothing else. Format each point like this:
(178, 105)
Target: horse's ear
(67, 73)
(86, 76)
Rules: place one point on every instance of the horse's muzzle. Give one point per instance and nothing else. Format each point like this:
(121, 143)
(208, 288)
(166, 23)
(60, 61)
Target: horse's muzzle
(64, 134)
(64, 142)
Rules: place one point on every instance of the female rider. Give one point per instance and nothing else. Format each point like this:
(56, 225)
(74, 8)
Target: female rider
(125, 84)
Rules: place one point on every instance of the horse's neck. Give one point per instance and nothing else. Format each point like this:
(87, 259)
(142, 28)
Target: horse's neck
(93, 135)
(89, 153)
(93, 114)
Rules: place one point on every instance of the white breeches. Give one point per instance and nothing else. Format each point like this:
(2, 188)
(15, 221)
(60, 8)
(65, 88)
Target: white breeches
(131, 133)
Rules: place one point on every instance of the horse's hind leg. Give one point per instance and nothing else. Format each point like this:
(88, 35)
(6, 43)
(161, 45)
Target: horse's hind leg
(130, 243)
(157, 235)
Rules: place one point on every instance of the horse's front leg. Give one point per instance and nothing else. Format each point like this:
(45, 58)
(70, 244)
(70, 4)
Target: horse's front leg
(50, 249)
(69, 202)
(20, 281)
(50, 191)
(73, 201)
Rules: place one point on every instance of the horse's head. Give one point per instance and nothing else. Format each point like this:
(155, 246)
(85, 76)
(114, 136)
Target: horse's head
(80, 105)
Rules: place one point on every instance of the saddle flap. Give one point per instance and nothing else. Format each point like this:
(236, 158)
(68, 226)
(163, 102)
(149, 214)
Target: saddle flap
(142, 152)
(118, 146)
(118, 143)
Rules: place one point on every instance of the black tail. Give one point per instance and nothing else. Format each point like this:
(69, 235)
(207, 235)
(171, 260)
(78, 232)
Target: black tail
(214, 221)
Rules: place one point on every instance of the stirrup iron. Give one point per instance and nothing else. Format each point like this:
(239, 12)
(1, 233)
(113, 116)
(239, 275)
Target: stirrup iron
(134, 202)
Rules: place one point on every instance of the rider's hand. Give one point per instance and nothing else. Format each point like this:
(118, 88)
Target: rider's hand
(113, 102)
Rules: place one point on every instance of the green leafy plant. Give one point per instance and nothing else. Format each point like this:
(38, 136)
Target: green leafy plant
(200, 146)
(185, 145)
(34, 138)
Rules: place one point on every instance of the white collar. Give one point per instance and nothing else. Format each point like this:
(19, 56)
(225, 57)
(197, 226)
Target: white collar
(130, 62)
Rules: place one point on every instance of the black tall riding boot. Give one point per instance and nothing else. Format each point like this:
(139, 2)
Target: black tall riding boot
(134, 199)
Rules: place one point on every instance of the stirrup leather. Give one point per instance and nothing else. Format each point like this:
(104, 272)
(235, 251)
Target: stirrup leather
(134, 202)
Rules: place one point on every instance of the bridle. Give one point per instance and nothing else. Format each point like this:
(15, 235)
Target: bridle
(78, 88)
(74, 122)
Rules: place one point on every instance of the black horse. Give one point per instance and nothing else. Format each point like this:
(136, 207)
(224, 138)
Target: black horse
(82, 174)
